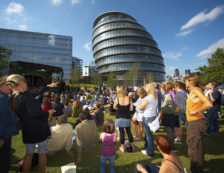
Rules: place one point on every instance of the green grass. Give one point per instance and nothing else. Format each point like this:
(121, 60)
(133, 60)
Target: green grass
(214, 155)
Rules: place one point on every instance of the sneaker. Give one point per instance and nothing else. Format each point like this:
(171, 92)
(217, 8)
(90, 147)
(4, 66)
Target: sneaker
(207, 134)
(144, 152)
(178, 141)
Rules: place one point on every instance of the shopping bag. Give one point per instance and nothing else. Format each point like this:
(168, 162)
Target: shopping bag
(154, 126)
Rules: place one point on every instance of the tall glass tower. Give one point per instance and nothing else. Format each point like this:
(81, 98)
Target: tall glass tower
(40, 48)
(119, 41)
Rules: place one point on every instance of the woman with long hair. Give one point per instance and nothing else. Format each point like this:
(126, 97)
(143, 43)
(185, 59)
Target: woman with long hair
(123, 104)
(197, 103)
(137, 118)
(149, 106)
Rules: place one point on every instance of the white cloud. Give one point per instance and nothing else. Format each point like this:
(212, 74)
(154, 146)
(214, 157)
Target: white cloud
(211, 49)
(203, 17)
(14, 8)
(183, 33)
(23, 27)
(75, 2)
(87, 46)
(172, 55)
(56, 2)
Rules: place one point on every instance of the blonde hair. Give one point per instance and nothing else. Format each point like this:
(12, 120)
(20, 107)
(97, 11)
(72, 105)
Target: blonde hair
(141, 92)
(120, 91)
(151, 90)
(194, 79)
(14, 79)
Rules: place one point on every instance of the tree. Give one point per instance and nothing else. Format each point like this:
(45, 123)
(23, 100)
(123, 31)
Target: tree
(75, 76)
(133, 75)
(4, 58)
(214, 71)
(111, 80)
(149, 78)
(96, 79)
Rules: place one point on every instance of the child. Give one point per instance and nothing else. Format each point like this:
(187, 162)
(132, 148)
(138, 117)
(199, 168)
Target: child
(139, 114)
(108, 146)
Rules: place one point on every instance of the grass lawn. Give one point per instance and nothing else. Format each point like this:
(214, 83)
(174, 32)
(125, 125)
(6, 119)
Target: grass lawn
(214, 155)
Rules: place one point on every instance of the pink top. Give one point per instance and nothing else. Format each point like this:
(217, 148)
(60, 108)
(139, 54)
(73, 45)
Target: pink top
(108, 140)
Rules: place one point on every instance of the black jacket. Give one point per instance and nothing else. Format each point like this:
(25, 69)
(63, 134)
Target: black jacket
(34, 121)
(58, 107)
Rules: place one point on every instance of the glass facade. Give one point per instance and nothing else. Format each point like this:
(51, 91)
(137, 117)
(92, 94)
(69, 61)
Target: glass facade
(119, 41)
(47, 49)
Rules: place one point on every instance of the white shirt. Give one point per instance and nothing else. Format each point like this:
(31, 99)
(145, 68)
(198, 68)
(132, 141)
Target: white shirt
(151, 107)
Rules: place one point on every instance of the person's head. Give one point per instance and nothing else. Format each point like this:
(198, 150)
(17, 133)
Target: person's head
(3, 86)
(57, 99)
(151, 90)
(17, 83)
(98, 106)
(121, 91)
(212, 85)
(66, 103)
(163, 144)
(108, 126)
(163, 87)
(169, 87)
(141, 92)
(179, 85)
(62, 119)
(192, 81)
(46, 101)
(83, 116)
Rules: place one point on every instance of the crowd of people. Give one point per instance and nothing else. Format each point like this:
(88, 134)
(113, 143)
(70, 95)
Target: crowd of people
(44, 123)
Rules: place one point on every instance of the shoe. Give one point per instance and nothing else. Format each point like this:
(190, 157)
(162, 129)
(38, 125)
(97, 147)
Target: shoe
(207, 134)
(178, 141)
(144, 152)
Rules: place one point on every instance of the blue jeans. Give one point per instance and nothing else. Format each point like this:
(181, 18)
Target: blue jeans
(212, 119)
(182, 117)
(42, 147)
(103, 162)
(149, 144)
(151, 168)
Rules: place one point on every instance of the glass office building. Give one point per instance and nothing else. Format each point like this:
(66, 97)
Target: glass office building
(40, 48)
(119, 41)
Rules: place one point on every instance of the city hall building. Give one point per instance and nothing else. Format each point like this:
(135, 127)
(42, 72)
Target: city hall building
(39, 48)
(119, 41)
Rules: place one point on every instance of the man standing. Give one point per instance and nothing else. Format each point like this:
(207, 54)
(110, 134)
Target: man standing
(8, 126)
(215, 98)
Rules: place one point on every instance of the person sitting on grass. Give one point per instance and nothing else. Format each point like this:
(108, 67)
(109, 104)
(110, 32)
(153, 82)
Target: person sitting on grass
(61, 136)
(109, 108)
(171, 163)
(86, 135)
(108, 138)
(98, 115)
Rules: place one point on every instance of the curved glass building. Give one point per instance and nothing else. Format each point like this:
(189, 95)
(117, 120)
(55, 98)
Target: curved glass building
(119, 41)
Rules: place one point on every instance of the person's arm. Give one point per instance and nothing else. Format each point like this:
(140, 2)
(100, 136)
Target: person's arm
(131, 104)
(211, 96)
(206, 103)
(79, 144)
(115, 104)
(141, 169)
(143, 105)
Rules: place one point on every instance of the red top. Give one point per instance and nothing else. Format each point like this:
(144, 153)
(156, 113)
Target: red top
(46, 108)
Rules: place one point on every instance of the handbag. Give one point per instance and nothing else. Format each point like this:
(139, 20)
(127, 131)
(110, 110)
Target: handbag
(154, 126)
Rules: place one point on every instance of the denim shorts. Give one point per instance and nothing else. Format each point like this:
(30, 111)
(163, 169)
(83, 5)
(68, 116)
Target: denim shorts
(42, 147)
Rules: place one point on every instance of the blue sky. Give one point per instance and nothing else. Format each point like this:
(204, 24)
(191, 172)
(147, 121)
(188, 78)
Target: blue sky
(187, 31)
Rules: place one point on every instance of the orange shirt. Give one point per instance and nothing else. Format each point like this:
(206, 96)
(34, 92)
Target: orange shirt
(193, 103)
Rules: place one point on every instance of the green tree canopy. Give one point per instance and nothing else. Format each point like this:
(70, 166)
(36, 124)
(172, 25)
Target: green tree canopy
(214, 70)
(4, 58)
(133, 75)
(75, 76)
(111, 80)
